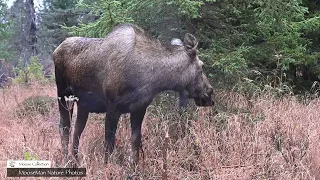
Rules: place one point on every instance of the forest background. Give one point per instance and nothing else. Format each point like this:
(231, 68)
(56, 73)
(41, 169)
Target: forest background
(246, 44)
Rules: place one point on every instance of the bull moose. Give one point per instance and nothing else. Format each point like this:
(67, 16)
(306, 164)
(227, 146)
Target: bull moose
(122, 73)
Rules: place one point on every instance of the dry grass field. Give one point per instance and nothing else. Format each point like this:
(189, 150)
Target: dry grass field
(270, 139)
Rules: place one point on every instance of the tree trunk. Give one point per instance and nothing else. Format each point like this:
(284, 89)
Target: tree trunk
(31, 28)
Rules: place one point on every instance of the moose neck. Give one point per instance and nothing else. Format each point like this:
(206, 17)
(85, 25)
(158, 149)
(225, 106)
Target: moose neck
(172, 73)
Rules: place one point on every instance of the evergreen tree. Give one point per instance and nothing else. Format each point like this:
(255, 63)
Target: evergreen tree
(237, 38)
(24, 41)
(4, 31)
(270, 42)
(107, 15)
(54, 15)
(5, 36)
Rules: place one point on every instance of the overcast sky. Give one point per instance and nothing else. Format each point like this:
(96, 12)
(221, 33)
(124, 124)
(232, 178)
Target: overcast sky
(10, 2)
(36, 2)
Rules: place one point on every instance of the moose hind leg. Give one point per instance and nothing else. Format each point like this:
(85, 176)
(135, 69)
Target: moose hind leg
(111, 124)
(80, 124)
(136, 119)
(64, 127)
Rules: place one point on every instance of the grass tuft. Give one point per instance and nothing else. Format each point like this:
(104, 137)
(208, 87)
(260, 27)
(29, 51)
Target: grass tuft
(268, 138)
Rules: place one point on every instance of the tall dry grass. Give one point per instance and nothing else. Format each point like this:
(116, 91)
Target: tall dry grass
(270, 139)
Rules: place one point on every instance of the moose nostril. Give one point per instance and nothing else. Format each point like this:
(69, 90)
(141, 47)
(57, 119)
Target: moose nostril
(210, 91)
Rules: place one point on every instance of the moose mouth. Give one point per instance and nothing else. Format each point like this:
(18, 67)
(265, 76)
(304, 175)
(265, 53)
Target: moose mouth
(206, 100)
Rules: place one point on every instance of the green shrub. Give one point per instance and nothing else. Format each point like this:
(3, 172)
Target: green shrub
(33, 72)
(29, 156)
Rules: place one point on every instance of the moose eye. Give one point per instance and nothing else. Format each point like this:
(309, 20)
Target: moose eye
(200, 70)
(203, 68)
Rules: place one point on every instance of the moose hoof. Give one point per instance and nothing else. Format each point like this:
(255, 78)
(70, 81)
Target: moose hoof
(106, 158)
(74, 164)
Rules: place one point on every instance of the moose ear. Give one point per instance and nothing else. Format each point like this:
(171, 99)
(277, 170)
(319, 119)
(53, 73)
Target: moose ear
(190, 42)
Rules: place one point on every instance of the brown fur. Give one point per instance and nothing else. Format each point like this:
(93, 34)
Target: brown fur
(121, 73)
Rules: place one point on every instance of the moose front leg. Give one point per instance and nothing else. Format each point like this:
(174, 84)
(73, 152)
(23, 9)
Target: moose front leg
(111, 123)
(80, 124)
(183, 101)
(64, 127)
(136, 118)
